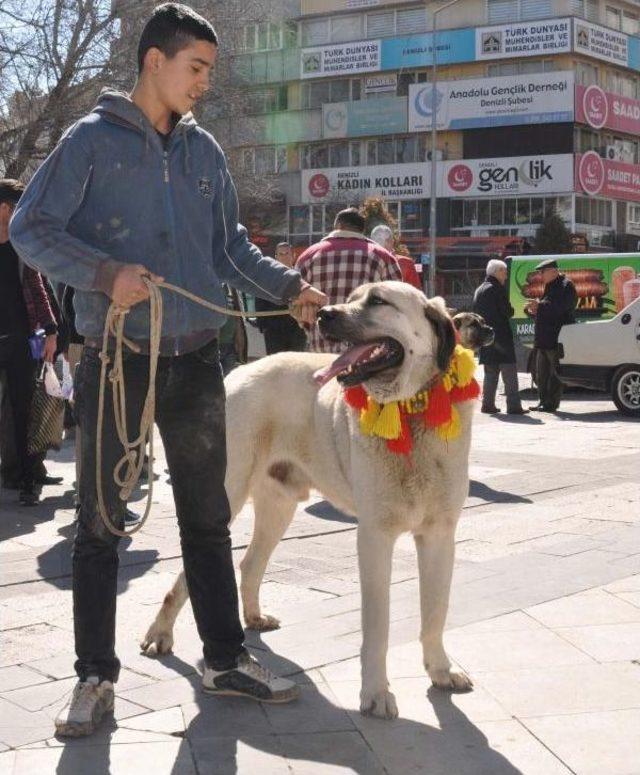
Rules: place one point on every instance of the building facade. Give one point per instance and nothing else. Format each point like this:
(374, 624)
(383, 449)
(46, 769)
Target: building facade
(537, 108)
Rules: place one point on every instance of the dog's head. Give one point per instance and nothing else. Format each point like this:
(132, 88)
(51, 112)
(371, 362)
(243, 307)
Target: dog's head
(474, 332)
(400, 340)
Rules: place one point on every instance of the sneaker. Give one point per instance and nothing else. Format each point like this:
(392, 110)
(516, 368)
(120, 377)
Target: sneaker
(249, 679)
(131, 518)
(90, 700)
(29, 496)
(490, 410)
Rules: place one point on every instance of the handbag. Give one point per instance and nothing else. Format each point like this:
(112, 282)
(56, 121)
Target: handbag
(46, 420)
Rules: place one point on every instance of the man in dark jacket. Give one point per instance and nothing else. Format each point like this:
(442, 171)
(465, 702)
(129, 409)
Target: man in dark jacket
(555, 309)
(491, 301)
(282, 333)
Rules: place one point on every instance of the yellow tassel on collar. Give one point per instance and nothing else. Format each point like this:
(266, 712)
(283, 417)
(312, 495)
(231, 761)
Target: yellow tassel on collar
(436, 406)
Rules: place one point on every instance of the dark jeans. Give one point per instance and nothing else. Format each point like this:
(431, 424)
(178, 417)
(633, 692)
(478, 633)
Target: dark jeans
(289, 340)
(509, 373)
(549, 384)
(190, 413)
(20, 371)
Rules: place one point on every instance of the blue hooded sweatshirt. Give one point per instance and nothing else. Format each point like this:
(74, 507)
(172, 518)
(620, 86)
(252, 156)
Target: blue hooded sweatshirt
(112, 192)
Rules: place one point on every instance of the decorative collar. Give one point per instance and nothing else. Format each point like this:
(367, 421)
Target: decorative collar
(434, 406)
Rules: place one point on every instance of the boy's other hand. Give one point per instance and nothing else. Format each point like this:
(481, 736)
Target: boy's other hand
(129, 287)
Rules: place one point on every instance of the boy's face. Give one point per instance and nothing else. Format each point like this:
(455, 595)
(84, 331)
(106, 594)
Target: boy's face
(183, 79)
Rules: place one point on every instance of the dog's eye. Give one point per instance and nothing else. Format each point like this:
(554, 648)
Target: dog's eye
(376, 300)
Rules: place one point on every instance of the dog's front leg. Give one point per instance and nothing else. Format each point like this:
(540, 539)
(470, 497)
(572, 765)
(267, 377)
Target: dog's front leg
(436, 549)
(375, 550)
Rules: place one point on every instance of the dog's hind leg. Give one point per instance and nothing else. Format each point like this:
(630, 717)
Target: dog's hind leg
(159, 637)
(375, 550)
(274, 501)
(436, 548)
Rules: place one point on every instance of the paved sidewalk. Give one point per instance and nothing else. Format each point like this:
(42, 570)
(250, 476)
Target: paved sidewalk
(545, 616)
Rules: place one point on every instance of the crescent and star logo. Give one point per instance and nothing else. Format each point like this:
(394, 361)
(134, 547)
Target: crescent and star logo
(591, 173)
(460, 177)
(595, 106)
(319, 185)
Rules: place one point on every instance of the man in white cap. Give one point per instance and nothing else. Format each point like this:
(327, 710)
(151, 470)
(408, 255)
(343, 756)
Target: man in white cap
(491, 301)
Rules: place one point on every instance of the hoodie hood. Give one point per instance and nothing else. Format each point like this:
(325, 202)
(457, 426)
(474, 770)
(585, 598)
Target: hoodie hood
(117, 106)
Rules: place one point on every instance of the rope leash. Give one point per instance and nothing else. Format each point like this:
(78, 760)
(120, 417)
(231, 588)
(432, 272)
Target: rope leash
(128, 469)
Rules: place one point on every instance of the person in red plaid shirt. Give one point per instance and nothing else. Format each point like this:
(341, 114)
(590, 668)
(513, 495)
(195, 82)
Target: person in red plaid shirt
(341, 262)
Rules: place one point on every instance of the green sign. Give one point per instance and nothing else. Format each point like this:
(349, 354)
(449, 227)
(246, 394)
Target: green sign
(605, 284)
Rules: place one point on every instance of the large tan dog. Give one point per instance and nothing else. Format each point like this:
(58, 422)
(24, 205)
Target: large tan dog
(289, 429)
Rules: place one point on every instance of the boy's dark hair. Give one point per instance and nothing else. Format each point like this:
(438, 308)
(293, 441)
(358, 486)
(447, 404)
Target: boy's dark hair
(349, 219)
(172, 27)
(10, 190)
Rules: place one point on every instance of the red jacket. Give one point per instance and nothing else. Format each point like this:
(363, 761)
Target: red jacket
(36, 300)
(409, 272)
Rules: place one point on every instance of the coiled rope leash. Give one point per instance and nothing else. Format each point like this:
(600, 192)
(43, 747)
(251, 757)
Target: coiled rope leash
(126, 473)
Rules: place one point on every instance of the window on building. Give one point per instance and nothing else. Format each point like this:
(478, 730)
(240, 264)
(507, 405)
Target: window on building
(315, 94)
(586, 73)
(339, 154)
(386, 151)
(619, 83)
(339, 91)
(381, 24)
(587, 9)
(404, 81)
(518, 68)
(318, 156)
(355, 153)
(345, 28)
(411, 20)
(299, 219)
(314, 32)
(406, 149)
(630, 23)
(613, 18)
(504, 11)
(265, 36)
(267, 100)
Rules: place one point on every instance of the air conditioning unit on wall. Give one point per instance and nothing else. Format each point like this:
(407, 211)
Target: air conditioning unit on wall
(612, 152)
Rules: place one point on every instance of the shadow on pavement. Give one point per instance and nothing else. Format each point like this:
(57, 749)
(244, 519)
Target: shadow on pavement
(458, 746)
(611, 415)
(488, 494)
(324, 510)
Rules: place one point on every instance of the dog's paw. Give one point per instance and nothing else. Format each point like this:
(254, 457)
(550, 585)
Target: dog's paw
(451, 680)
(157, 642)
(262, 623)
(378, 704)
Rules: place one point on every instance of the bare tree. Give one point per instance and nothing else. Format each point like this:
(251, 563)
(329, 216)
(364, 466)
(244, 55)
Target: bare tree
(54, 58)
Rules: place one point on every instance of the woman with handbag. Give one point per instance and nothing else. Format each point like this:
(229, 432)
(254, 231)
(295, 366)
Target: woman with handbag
(24, 307)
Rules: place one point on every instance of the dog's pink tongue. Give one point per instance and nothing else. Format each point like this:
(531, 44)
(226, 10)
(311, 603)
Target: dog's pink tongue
(342, 362)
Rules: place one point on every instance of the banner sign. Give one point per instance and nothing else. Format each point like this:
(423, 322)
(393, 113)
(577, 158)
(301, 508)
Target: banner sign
(600, 42)
(384, 115)
(510, 176)
(604, 285)
(484, 102)
(380, 84)
(606, 178)
(524, 39)
(352, 184)
(340, 59)
(513, 176)
(601, 109)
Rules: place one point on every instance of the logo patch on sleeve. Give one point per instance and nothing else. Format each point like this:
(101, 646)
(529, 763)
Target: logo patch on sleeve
(205, 186)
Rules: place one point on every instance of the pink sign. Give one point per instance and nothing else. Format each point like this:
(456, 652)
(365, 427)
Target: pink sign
(598, 109)
(611, 179)
(319, 185)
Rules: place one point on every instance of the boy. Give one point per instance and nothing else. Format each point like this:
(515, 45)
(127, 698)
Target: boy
(138, 188)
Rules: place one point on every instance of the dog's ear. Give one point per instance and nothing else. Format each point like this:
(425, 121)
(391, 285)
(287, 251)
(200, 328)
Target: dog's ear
(436, 313)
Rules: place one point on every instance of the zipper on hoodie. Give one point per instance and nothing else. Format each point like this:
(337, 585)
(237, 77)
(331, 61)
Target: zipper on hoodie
(165, 165)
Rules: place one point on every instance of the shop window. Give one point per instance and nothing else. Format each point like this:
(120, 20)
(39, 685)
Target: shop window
(523, 211)
(484, 212)
(339, 155)
(406, 149)
(497, 215)
(510, 211)
(355, 153)
(410, 216)
(317, 212)
(386, 151)
(318, 156)
(455, 213)
(537, 210)
(470, 212)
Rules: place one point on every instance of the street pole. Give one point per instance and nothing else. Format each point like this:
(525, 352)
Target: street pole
(433, 196)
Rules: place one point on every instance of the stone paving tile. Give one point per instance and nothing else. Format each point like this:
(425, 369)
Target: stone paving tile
(38, 640)
(16, 677)
(511, 650)
(605, 642)
(259, 754)
(216, 717)
(317, 710)
(593, 743)
(159, 758)
(586, 608)
(19, 726)
(551, 691)
(628, 584)
(330, 753)
(164, 694)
